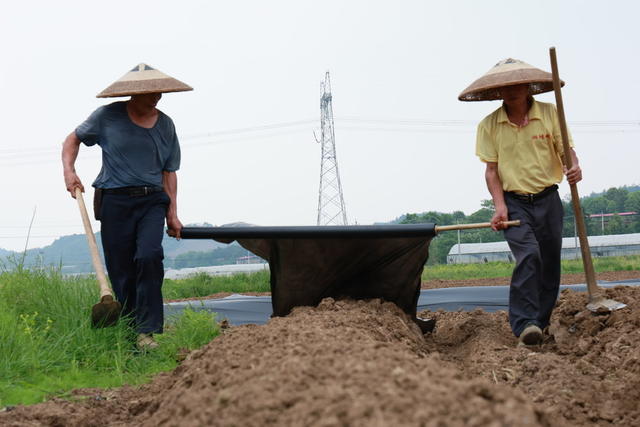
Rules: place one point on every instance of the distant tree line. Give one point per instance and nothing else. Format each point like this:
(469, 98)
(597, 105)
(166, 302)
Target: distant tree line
(612, 201)
(219, 256)
(441, 244)
(71, 251)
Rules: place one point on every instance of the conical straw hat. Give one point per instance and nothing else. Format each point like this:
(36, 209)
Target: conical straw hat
(143, 79)
(508, 72)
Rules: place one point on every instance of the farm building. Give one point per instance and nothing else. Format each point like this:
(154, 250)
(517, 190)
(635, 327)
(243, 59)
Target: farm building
(601, 246)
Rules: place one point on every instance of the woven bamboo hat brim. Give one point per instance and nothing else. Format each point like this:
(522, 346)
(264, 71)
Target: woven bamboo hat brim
(143, 79)
(508, 72)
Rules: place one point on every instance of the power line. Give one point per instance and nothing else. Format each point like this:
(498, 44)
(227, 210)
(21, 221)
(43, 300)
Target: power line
(249, 129)
(30, 236)
(357, 119)
(25, 156)
(259, 128)
(42, 226)
(408, 122)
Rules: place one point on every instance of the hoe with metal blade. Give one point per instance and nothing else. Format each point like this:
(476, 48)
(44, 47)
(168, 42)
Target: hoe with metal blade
(107, 311)
(597, 302)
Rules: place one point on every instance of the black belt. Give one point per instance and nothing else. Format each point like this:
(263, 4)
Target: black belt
(530, 198)
(133, 191)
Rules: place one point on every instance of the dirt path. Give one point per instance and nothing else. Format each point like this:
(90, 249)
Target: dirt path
(567, 279)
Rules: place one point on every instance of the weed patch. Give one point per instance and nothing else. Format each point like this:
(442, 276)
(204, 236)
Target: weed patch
(202, 285)
(504, 269)
(49, 347)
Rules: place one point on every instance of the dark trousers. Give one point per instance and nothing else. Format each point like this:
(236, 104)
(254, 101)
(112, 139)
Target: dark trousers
(536, 246)
(131, 229)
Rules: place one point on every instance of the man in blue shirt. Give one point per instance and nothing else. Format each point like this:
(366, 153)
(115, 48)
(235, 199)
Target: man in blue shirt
(136, 190)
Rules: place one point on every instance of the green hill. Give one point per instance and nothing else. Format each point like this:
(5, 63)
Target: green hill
(71, 253)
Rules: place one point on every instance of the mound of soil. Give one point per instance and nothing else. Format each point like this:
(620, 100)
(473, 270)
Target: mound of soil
(366, 363)
(587, 372)
(342, 363)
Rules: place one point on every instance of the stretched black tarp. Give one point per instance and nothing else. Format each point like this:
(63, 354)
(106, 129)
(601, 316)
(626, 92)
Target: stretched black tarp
(310, 263)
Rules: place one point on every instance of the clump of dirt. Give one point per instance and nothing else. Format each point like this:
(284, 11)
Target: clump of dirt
(587, 371)
(341, 363)
(605, 348)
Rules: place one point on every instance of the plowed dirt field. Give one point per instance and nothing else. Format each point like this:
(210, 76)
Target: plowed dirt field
(360, 363)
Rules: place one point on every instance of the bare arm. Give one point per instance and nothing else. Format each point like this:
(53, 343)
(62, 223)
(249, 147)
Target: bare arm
(170, 184)
(574, 175)
(494, 184)
(70, 149)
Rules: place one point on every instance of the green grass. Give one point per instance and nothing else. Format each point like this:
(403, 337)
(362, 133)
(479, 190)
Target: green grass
(47, 345)
(202, 285)
(466, 271)
(504, 269)
(622, 263)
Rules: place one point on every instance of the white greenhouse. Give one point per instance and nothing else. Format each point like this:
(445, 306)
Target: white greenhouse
(601, 246)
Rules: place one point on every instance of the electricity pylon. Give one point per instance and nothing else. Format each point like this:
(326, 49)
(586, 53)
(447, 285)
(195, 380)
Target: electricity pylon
(331, 209)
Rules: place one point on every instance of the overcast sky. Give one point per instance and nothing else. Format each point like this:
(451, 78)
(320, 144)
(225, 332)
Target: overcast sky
(404, 143)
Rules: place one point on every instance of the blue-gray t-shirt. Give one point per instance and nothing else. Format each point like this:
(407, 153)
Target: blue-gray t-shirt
(132, 156)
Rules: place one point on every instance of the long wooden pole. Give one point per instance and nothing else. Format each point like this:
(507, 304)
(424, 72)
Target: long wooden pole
(93, 247)
(440, 228)
(592, 286)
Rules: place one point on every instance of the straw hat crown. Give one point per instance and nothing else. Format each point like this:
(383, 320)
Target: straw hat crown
(143, 79)
(508, 72)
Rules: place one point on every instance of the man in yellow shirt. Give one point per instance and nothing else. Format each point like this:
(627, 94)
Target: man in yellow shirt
(521, 145)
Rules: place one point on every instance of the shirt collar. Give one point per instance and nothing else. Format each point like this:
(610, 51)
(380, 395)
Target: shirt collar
(534, 113)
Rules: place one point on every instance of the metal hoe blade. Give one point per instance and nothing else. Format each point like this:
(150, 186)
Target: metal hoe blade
(599, 304)
(106, 312)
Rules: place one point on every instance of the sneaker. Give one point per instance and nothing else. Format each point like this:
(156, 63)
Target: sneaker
(146, 342)
(531, 335)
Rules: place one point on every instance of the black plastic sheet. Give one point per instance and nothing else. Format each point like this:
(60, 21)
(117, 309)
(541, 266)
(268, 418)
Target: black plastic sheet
(308, 264)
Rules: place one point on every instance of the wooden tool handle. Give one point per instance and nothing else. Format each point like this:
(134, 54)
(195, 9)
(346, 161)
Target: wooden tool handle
(93, 247)
(589, 272)
(440, 228)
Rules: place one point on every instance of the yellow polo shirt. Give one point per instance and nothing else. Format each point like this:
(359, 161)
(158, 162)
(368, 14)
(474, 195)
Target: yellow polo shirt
(530, 157)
